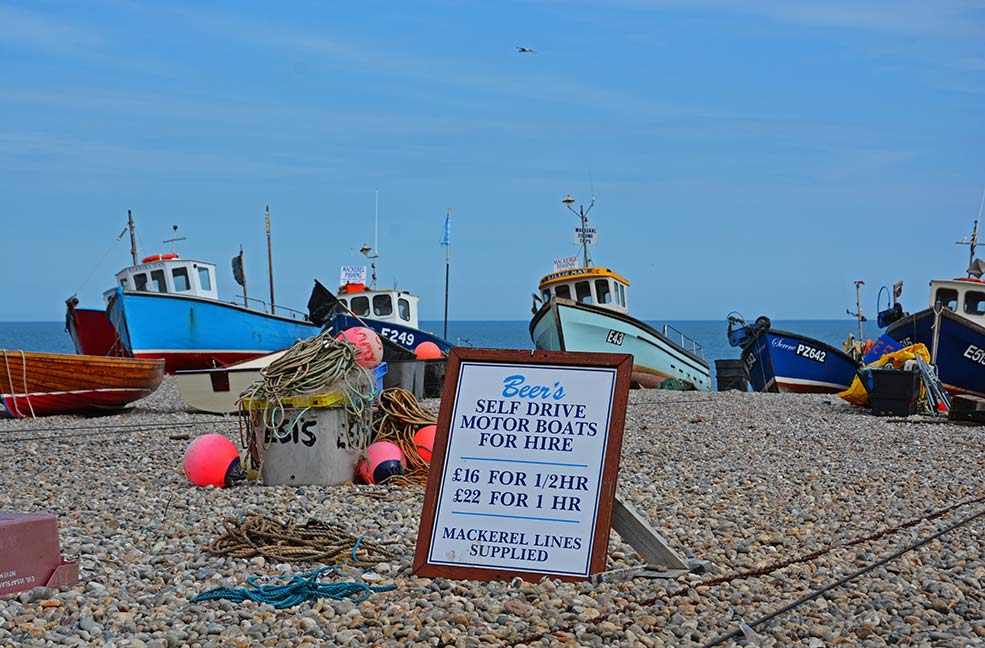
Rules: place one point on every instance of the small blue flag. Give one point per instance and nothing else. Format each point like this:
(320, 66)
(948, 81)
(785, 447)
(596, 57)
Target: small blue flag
(446, 234)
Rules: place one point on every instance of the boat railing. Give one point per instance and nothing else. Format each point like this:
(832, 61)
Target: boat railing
(265, 306)
(686, 342)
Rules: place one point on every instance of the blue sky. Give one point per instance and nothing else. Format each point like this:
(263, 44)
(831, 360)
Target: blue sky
(757, 156)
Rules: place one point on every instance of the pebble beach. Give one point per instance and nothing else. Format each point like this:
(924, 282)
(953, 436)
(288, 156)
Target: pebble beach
(775, 486)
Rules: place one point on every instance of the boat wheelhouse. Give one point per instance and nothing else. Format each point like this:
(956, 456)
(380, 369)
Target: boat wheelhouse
(601, 287)
(392, 306)
(964, 296)
(393, 314)
(167, 274)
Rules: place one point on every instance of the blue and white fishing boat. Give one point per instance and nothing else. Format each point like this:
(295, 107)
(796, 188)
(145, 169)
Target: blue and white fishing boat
(585, 308)
(168, 307)
(952, 328)
(780, 361)
(391, 313)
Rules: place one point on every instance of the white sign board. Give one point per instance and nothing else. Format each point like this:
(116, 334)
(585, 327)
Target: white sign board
(521, 474)
(566, 263)
(586, 235)
(352, 274)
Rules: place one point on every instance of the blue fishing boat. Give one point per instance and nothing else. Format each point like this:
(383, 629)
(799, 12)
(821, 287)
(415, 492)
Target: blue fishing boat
(780, 361)
(168, 307)
(585, 308)
(952, 328)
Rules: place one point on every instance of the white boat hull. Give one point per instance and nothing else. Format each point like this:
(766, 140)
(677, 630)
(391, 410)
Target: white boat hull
(564, 325)
(217, 390)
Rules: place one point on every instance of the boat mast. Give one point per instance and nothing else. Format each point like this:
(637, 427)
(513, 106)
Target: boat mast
(858, 308)
(270, 264)
(582, 213)
(372, 253)
(133, 236)
(974, 237)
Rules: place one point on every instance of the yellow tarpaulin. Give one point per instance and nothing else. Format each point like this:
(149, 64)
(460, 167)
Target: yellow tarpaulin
(857, 394)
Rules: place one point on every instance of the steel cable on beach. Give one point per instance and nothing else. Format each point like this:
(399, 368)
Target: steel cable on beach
(768, 569)
(101, 430)
(841, 581)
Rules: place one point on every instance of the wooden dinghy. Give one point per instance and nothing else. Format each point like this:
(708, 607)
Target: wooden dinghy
(43, 384)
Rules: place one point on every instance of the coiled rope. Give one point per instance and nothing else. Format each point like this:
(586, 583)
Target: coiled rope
(316, 541)
(298, 589)
(402, 417)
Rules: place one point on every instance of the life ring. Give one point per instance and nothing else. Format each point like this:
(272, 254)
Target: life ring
(974, 279)
(159, 257)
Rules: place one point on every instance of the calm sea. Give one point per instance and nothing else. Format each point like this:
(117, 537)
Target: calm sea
(51, 336)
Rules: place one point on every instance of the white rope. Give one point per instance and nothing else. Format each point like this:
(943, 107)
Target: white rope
(13, 392)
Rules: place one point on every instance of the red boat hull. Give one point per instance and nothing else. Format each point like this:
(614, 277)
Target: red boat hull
(191, 360)
(49, 404)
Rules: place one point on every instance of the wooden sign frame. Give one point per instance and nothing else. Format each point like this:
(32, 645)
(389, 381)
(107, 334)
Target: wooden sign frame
(622, 364)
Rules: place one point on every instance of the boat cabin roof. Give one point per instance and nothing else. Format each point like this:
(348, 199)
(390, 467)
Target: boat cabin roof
(397, 306)
(596, 286)
(964, 296)
(166, 273)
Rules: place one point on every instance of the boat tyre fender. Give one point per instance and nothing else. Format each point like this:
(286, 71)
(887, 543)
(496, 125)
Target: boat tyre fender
(762, 322)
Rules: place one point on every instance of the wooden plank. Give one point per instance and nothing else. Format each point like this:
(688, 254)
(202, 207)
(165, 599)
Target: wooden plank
(651, 546)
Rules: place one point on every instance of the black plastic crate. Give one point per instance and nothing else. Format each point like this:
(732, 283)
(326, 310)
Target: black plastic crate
(731, 374)
(894, 392)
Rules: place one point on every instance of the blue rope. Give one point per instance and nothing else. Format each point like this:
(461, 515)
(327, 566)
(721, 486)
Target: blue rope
(298, 589)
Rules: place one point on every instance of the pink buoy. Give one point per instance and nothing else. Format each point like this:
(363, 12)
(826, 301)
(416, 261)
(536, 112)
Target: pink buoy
(369, 348)
(427, 351)
(424, 442)
(383, 460)
(208, 460)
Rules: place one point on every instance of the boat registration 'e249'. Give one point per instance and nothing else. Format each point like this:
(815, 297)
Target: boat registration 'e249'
(975, 354)
(400, 337)
(811, 353)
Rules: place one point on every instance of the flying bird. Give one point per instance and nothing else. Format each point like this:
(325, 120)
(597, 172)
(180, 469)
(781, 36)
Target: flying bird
(525, 50)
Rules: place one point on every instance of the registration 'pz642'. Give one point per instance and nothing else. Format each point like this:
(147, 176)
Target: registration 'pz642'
(811, 353)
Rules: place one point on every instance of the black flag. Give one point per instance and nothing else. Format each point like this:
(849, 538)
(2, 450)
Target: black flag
(238, 269)
(321, 304)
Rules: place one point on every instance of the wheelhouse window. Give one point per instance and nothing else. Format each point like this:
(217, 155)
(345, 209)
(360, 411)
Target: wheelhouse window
(563, 291)
(157, 281)
(948, 297)
(140, 281)
(180, 278)
(403, 309)
(124, 283)
(546, 295)
(204, 280)
(602, 293)
(974, 302)
(382, 305)
(583, 292)
(360, 306)
(622, 293)
(619, 299)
